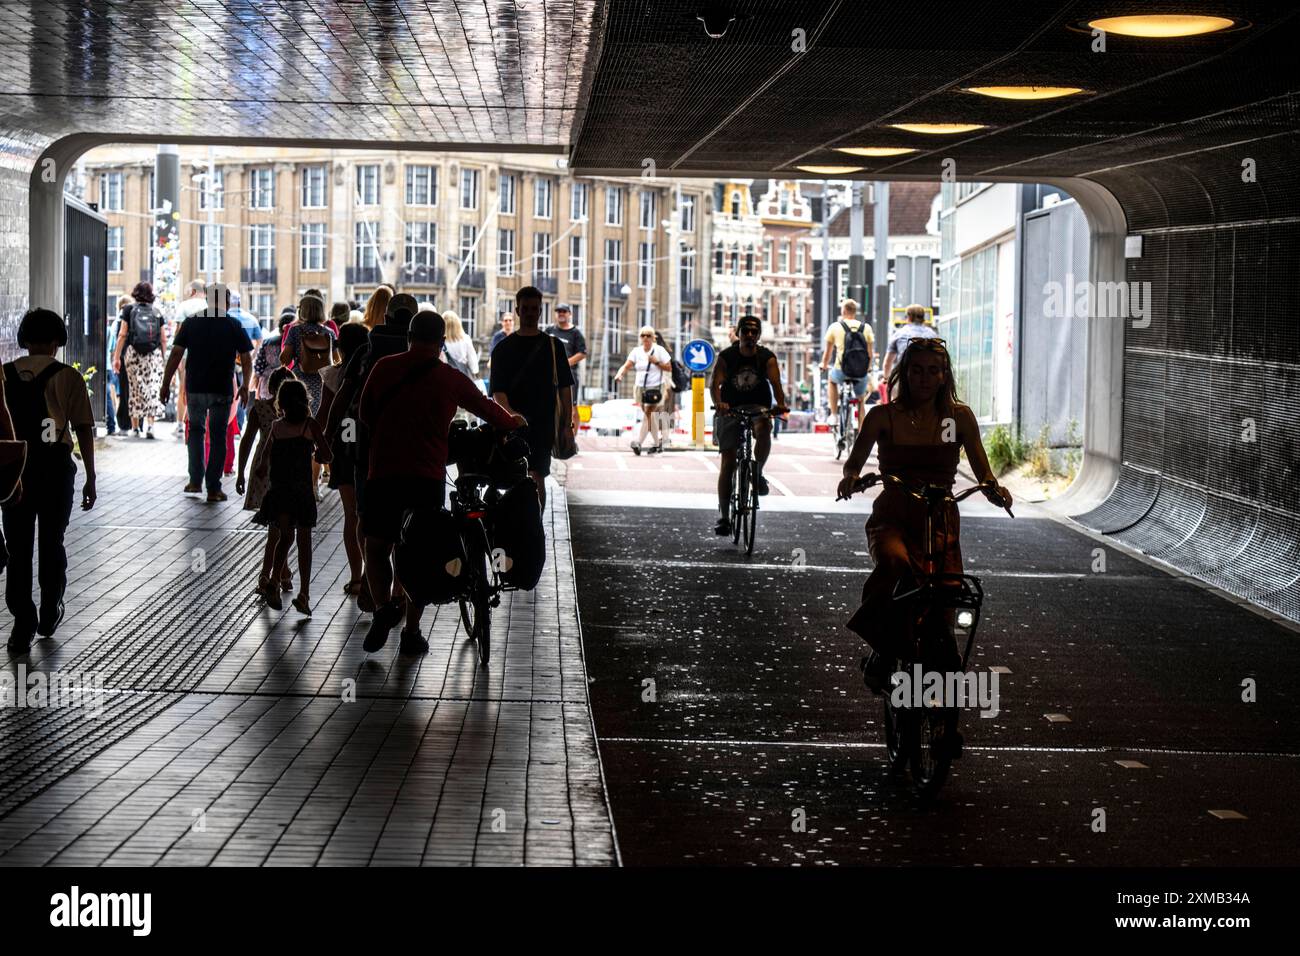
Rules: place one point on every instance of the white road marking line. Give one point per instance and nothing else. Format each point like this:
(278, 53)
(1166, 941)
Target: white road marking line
(779, 485)
(576, 465)
(667, 467)
(799, 466)
(709, 463)
(622, 465)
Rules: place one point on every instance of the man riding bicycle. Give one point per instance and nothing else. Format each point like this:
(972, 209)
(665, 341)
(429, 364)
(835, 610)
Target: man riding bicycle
(848, 331)
(920, 434)
(746, 374)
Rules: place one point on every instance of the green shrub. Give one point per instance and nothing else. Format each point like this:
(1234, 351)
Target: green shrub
(1005, 449)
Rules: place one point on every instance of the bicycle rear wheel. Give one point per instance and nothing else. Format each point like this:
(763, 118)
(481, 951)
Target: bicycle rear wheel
(751, 512)
(901, 731)
(931, 757)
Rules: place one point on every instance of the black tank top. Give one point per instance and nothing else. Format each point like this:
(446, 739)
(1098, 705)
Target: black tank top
(746, 382)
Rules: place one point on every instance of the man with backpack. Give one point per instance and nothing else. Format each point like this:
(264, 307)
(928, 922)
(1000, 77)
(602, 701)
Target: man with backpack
(850, 341)
(209, 342)
(48, 402)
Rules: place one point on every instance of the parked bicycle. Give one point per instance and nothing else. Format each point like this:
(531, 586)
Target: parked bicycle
(936, 610)
(481, 588)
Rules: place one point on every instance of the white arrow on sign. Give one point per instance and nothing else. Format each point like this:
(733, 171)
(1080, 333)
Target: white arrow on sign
(699, 356)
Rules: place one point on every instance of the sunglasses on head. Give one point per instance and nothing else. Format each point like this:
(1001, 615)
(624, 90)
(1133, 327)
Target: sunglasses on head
(936, 344)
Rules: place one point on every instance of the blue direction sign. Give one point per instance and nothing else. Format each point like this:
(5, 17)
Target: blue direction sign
(698, 355)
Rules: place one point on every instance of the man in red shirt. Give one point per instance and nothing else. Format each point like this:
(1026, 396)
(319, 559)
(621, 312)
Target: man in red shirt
(406, 407)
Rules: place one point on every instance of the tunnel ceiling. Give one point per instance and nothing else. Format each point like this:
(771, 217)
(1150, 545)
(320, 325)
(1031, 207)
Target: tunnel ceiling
(749, 103)
(646, 83)
(453, 74)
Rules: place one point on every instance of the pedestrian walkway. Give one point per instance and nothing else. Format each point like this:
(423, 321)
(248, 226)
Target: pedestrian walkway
(233, 734)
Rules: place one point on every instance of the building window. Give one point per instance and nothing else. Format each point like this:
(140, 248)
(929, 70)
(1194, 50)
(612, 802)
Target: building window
(314, 190)
(769, 255)
(469, 314)
(368, 185)
(506, 252)
(645, 275)
(110, 192)
(212, 249)
(717, 258)
(579, 201)
(213, 195)
(783, 311)
(261, 188)
(542, 254)
(468, 251)
(152, 191)
(688, 214)
(422, 185)
(577, 260)
(542, 195)
(783, 204)
(688, 273)
(613, 205)
(421, 244)
(749, 261)
(645, 316)
(263, 304)
(469, 179)
(365, 245)
(718, 317)
(508, 186)
(735, 261)
(261, 246)
(116, 246)
(613, 260)
(312, 247)
(649, 205)
(783, 257)
(735, 205)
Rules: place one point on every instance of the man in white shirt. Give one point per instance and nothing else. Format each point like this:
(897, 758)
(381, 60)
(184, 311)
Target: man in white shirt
(914, 329)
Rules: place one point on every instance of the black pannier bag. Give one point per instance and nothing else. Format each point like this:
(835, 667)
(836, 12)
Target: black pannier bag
(430, 556)
(518, 540)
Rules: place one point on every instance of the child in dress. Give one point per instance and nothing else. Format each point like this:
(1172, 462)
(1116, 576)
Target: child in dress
(289, 504)
(261, 416)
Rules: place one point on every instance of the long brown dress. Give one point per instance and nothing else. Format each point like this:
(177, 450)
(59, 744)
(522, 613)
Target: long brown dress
(896, 529)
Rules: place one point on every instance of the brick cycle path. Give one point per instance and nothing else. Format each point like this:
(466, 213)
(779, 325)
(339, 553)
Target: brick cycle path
(231, 734)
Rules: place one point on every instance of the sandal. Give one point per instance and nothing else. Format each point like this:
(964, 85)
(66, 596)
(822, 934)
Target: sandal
(286, 585)
(354, 586)
(263, 585)
(302, 604)
(273, 600)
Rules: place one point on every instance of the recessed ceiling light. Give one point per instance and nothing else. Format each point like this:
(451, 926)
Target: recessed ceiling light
(830, 170)
(1162, 25)
(874, 150)
(1024, 92)
(938, 128)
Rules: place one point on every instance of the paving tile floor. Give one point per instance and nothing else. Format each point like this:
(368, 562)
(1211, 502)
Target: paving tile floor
(230, 734)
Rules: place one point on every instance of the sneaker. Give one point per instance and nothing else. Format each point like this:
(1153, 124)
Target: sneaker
(193, 488)
(216, 496)
(135, 433)
(149, 434)
(50, 619)
(875, 672)
(413, 642)
(273, 599)
(723, 526)
(20, 638)
(302, 605)
(386, 618)
(286, 584)
(636, 449)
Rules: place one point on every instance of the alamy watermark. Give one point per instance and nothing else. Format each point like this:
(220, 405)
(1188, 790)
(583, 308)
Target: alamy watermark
(20, 689)
(1101, 300)
(921, 688)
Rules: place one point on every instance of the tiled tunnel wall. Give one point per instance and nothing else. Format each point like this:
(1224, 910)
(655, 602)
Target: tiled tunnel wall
(18, 154)
(1211, 449)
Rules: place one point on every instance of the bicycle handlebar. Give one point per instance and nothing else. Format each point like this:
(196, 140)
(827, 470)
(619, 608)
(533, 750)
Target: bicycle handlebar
(872, 478)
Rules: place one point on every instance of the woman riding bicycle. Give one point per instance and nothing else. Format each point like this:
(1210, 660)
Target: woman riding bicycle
(920, 433)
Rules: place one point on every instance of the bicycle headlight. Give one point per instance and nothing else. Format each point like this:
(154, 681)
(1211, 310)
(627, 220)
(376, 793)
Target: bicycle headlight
(965, 618)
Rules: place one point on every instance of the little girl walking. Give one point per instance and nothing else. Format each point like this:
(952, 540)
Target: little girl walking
(261, 416)
(289, 504)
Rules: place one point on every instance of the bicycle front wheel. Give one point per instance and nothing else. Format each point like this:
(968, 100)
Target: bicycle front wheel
(739, 500)
(750, 519)
(932, 757)
(476, 599)
(902, 733)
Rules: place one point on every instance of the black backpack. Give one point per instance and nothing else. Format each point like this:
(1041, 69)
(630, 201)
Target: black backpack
(144, 331)
(856, 360)
(27, 408)
(681, 377)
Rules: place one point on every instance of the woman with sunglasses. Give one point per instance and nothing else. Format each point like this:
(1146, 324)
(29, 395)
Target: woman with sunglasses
(919, 434)
(654, 368)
